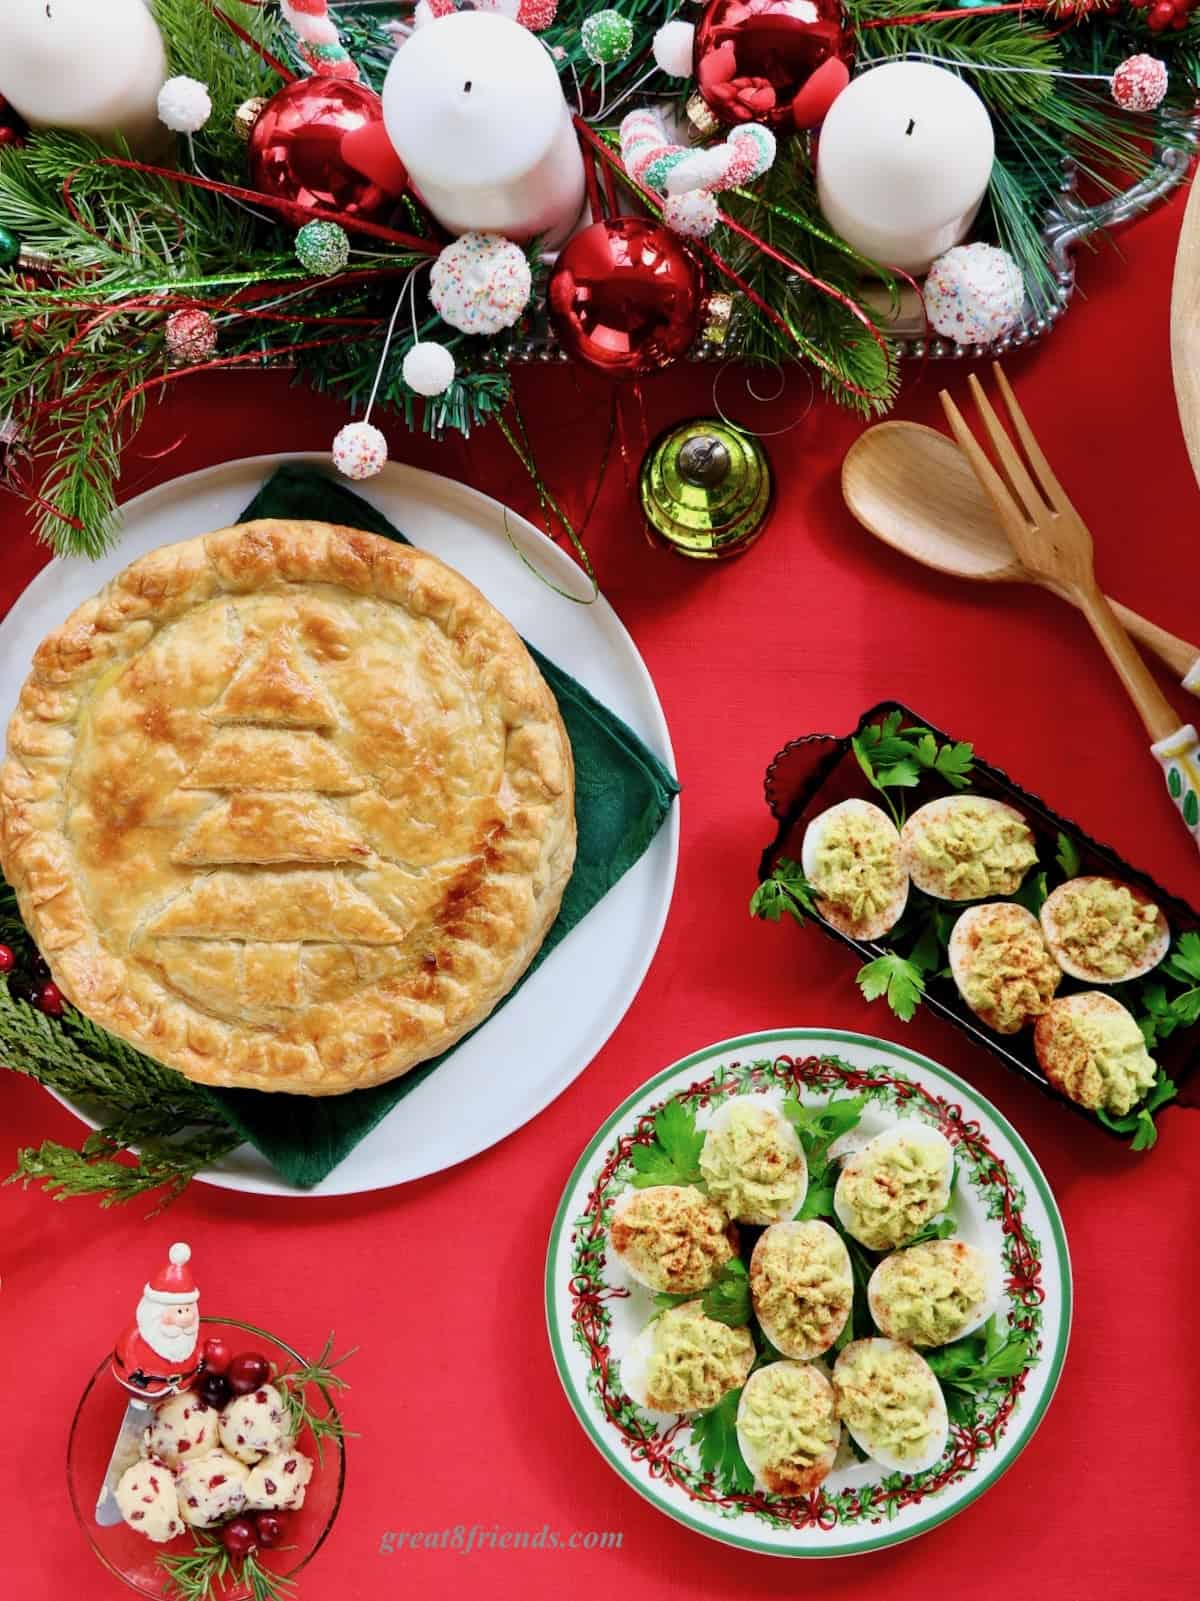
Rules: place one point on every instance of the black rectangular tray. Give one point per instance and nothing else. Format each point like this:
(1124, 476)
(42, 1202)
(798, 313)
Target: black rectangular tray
(818, 770)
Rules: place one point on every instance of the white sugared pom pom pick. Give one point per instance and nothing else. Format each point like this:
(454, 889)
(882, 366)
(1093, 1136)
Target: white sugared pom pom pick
(974, 294)
(184, 105)
(428, 368)
(359, 450)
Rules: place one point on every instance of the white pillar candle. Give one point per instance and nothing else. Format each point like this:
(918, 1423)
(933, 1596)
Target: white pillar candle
(903, 162)
(93, 66)
(474, 107)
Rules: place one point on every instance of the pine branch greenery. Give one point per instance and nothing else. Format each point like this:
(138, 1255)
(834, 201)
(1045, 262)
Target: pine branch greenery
(321, 1374)
(209, 1573)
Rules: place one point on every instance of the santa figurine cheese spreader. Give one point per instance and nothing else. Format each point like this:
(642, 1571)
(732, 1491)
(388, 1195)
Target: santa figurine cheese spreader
(157, 1355)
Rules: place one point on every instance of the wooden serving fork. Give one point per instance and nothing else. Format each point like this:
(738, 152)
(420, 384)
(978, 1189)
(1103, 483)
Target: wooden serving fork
(1053, 545)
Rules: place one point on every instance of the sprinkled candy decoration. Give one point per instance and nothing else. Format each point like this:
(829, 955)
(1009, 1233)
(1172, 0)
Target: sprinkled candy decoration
(1139, 84)
(694, 214)
(607, 37)
(322, 248)
(191, 337)
(359, 450)
(673, 46)
(537, 15)
(974, 294)
(481, 283)
(184, 104)
(763, 142)
(428, 368)
(703, 169)
(320, 45)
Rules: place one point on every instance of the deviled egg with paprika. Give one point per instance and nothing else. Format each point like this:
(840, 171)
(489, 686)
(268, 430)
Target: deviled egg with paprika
(896, 1184)
(787, 1427)
(1104, 932)
(891, 1403)
(671, 1237)
(685, 1361)
(851, 856)
(752, 1161)
(967, 848)
(1091, 1048)
(1002, 965)
(801, 1286)
(935, 1292)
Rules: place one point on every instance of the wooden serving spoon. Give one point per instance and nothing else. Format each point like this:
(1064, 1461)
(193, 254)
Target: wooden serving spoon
(1185, 327)
(913, 488)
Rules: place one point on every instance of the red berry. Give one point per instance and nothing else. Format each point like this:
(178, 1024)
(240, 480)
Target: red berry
(249, 1370)
(239, 1537)
(272, 1526)
(1160, 15)
(217, 1355)
(49, 1000)
(7, 959)
(215, 1391)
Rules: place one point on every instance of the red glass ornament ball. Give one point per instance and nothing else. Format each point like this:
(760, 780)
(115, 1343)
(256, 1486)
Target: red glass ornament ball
(625, 297)
(295, 151)
(753, 57)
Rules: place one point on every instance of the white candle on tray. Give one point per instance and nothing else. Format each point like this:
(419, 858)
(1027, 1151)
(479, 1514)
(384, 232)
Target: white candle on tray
(903, 162)
(93, 66)
(475, 109)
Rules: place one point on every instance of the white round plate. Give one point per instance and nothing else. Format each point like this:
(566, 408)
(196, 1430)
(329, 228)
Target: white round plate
(582, 990)
(1001, 1202)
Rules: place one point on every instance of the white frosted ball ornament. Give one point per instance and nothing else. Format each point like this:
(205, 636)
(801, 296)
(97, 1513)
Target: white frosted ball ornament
(974, 294)
(673, 48)
(1139, 84)
(694, 214)
(359, 450)
(481, 283)
(184, 105)
(428, 368)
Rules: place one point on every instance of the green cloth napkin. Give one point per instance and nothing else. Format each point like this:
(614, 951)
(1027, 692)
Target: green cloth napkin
(622, 794)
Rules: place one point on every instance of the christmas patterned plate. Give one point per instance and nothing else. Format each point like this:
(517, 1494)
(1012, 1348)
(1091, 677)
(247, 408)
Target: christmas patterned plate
(1001, 1202)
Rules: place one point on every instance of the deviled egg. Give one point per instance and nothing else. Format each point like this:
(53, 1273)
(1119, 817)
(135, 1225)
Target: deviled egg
(1092, 1049)
(685, 1361)
(891, 1403)
(1104, 932)
(801, 1286)
(851, 856)
(1002, 965)
(787, 1427)
(894, 1185)
(752, 1161)
(670, 1237)
(934, 1292)
(966, 847)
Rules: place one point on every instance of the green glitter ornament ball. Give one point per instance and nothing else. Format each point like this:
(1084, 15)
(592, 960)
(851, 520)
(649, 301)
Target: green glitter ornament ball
(10, 247)
(607, 38)
(322, 248)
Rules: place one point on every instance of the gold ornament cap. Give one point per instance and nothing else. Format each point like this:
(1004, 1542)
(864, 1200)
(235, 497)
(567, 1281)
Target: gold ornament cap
(246, 115)
(699, 114)
(718, 319)
(706, 489)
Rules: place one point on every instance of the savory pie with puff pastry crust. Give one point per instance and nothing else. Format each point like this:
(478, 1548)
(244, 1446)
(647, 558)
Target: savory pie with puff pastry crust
(288, 807)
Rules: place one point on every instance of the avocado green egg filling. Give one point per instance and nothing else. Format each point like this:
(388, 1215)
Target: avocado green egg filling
(751, 1167)
(894, 1190)
(695, 1360)
(1011, 976)
(887, 1396)
(929, 1293)
(1102, 1060)
(857, 865)
(974, 849)
(672, 1237)
(787, 1415)
(802, 1287)
(1103, 928)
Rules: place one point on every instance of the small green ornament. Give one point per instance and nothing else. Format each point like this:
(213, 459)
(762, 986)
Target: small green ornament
(10, 247)
(705, 489)
(322, 248)
(607, 38)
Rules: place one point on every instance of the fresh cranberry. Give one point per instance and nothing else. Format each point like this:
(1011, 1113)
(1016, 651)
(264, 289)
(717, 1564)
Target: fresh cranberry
(49, 1000)
(217, 1355)
(215, 1391)
(249, 1370)
(7, 959)
(272, 1526)
(239, 1537)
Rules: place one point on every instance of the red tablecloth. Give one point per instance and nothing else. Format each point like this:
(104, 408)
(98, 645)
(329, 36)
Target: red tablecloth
(460, 1414)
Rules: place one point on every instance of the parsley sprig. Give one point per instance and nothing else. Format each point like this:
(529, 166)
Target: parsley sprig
(817, 1127)
(726, 1300)
(673, 1156)
(786, 890)
(975, 1363)
(715, 1435)
(896, 757)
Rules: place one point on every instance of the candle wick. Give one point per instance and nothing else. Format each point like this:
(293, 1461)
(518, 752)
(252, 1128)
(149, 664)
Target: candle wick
(467, 87)
(909, 129)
